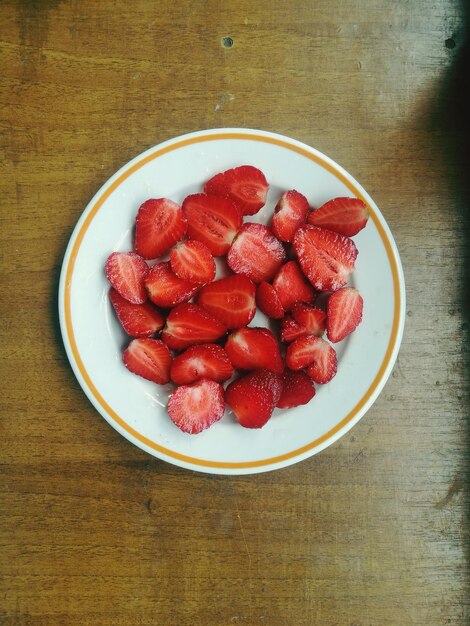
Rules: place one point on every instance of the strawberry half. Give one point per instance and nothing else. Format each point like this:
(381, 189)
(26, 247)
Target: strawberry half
(149, 358)
(297, 389)
(256, 253)
(326, 258)
(344, 313)
(253, 397)
(310, 317)
(160, 223)
(231, 300)
(254, 348)
(205, 361)
(268, 301)
(290, 212)
(316, 355)
(346, 216)
(126, 272)
(192, 261)
(292, 286)
(193, 408)
(291, 330)
(165, 289)
(246, 186)
(138, 320)
(188, 324)
(213, 220)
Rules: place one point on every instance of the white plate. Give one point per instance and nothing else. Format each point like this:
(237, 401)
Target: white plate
(137, 408)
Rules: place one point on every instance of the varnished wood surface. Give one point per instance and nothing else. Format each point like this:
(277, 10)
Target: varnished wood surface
(372, 531)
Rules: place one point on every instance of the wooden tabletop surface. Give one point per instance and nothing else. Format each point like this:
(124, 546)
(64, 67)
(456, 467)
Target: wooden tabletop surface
(371, 531)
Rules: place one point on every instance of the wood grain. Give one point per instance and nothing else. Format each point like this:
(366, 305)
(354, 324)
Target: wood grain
(372, 531)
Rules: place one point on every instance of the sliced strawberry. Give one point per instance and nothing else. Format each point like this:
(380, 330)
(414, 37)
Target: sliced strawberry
(149, 358)
(246, 186)
(297, 389)
(253, 397)
(344, 313)
(292, 286)
(159, 225)
(165, 289)
(192, 261)
(205, 361)
(310, 317)
(213, 220)
(326, 258)
(193, 408)
(189, 324)
(346, 216)
(314, 353)
(126, 272)
(138, 320)
(254, 348)
(231, 300)
(268, 301)
(256, 253)
(291, 330)
(290, 212)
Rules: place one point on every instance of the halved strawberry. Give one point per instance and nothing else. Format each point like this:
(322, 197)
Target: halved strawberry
(213, 220)
(160, 223)
(310, 317)
(192, 261)
(291, 330)
(315, 354)
(245, 185)
(326, 258)
(256, 253)
(165, 289)
(254, 348)
(205, 361)
(268, 301)
(290, 212)
(189, 324)
(193, 408)
(292, 286)
(297, 389)
(138, 320)
(346, 216)
(149, 358)
(253, 397)
(126, 272)
(344, 313)
(230, 299)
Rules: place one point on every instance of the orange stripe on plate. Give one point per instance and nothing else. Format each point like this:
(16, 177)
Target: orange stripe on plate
(171, 453)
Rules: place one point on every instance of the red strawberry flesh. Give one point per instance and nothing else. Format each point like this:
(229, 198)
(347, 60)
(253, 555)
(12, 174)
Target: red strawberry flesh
(254, 348)
(297, 389)
(189, 324)
(213, 220)
(253, 397)
(203, 361)
(245, 185)
(230, 299)
(148, 358)
(326, 258)
(160, 223)
(126, 272)
(344, 313)
(292, 286)
(310, 317)
(256, 253)
(346, 216)
(268, 301)
(290, 212)
(138, 320)
(194, 408)
(291, 330)
(314, 353)
(165, 289)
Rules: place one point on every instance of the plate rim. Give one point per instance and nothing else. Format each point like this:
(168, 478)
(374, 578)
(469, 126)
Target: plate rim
(225, 467)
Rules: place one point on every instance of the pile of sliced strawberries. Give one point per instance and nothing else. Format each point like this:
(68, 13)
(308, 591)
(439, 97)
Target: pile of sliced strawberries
(294, 270)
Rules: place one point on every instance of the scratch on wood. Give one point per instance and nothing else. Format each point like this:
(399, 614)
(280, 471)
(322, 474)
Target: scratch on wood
(455, 487)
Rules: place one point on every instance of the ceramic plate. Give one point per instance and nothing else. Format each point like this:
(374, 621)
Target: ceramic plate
(137, 408)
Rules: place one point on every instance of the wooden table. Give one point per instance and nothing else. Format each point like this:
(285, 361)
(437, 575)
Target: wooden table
(372, 531)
